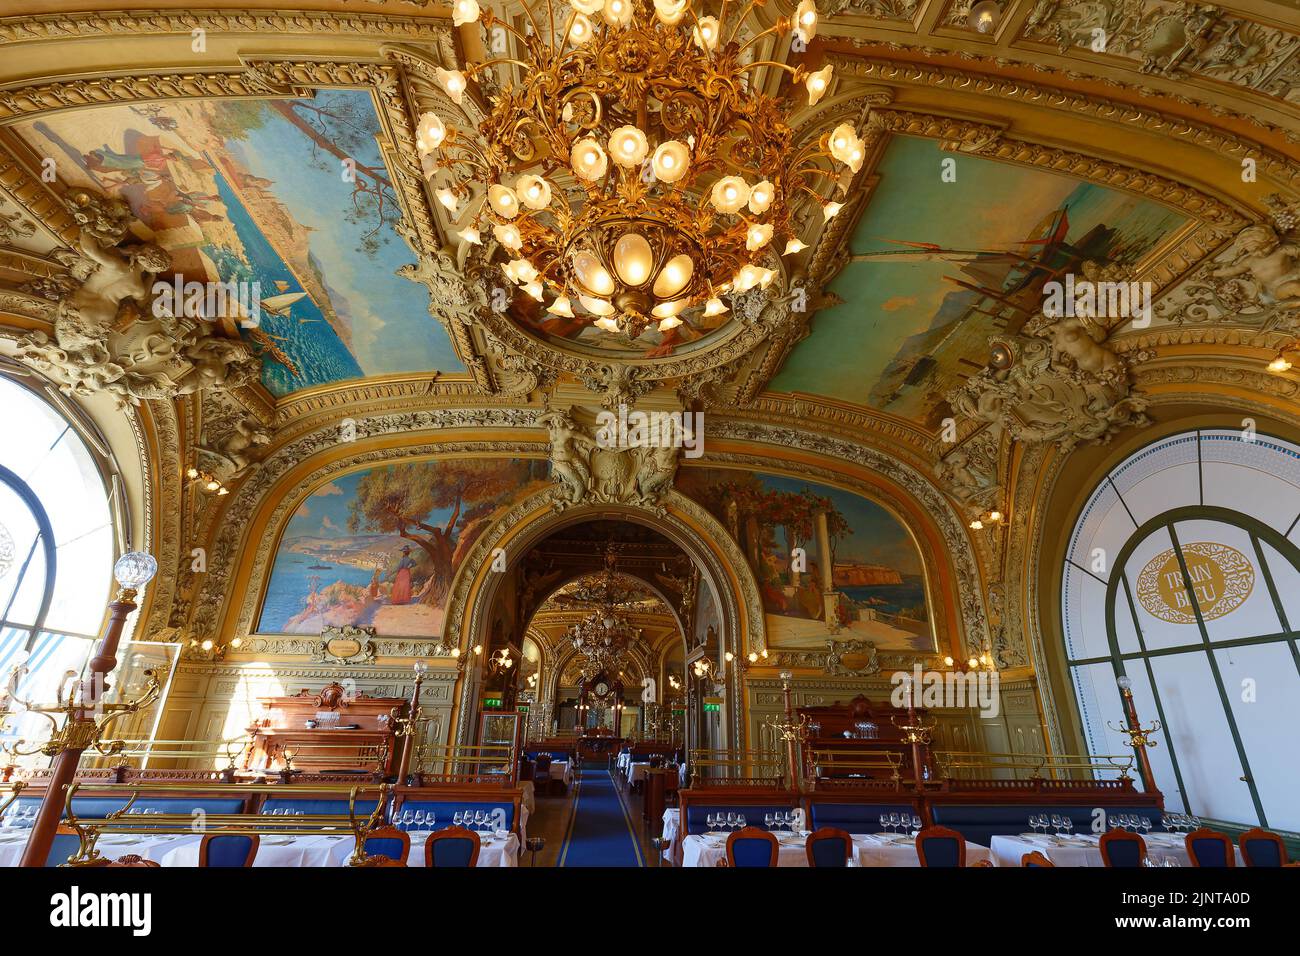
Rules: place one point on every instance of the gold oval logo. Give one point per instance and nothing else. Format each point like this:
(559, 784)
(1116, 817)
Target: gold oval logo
(1221, 577)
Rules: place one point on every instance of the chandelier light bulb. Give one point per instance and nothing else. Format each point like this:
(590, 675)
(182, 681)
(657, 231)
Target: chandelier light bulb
(453, 81)
(472, 236)
(667, 310)
(588, 7)
(533, 191)
(714, 306)
(760, 197)
(592, 274)
(1280, 364)
(794, 246)
(817, 84)
(633, 259)
(983, 16)
(766, 277)
(729, 194)
(670, 12)
(617, 13)
(757, 237)
(705, 33)
(805, 20)
(447, 198)
(561, 306)
(588, 159)
(669, 323)
(606, 323)
(464, 11)
(520, 271)
(503, 201)
(430, 134)
(746, 278)
(674, 276)
(600, 307)
(534, 288)
(581, 30)
(628, 146)
(671, 161)
(831, 210)
(508, 235)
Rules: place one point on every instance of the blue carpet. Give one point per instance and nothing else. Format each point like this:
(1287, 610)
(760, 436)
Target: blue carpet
(601, 832)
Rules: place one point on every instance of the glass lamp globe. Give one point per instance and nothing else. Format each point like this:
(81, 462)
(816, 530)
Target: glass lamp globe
(135, 569)
(1124, 682)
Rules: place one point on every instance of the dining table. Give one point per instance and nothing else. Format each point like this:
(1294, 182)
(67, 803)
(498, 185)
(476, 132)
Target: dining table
(1084, 849)
(869, 849)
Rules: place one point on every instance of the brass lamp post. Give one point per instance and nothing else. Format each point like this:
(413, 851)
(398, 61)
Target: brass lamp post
(86, 717)
(1139, 737)
(406, 726)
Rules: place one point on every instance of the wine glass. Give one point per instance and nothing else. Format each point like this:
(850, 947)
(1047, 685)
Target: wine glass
(1144, 824)
(767, 820)
(1069, 826)
(731, 821)
(457, 817)
(740, 821)
(480, 820)
(418, 821)
(884, 821)
(710, 821)
(430, 820)
(916, 824)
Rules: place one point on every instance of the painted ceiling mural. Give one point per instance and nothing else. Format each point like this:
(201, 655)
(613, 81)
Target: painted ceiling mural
(379, 548)
(876, 588)
(938, 267)
(291, 193)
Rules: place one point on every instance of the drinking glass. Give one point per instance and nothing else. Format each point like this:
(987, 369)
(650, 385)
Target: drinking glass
(1069, 826)
(419, 820)
(480, 818)
(884, 821)
(740, 821)
(767, 819)
(407, 816)
(710, 820)
(916, 824)
(457, 817)
(1144, 824)
(731, 821)
(430, 820)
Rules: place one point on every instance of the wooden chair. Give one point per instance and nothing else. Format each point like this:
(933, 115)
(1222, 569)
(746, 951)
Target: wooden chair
(1261, 848)
(982, 863)
(1035, 859)
(1210, 848)
(828, 846)
(752, 846)
(452, 847)
(940, 847)
(228, 850)
(1122, 849)
(388, 842)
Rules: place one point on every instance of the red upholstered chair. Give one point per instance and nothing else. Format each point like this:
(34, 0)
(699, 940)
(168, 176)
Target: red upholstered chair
(388, 842)
(1210, 848)
(751, 846)
(939, 846)
(1261, 848)
(452, 847)
(1035, 859)
(828, 846)
(228, 850)
(1122, 849)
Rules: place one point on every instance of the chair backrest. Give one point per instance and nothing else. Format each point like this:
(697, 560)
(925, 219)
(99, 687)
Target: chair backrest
(451, 847)
(65, 844)
(228, 849)
(1120, 848)
(1261, 848)
(390, 842)
(1035, 859)
(751, 846)
(1210, 848)
(829, 846)
(939, 846)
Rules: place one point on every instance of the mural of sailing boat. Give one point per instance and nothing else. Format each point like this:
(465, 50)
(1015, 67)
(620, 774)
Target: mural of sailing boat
(282, 302)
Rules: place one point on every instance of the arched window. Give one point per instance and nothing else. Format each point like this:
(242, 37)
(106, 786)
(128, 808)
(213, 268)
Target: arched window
(57, 543)
(1183, 574)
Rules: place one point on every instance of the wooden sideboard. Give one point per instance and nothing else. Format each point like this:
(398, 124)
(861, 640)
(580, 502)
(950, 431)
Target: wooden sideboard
(325, 731)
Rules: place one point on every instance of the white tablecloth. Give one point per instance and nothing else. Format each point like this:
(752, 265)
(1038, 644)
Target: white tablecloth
(111, 846)
(529, 799)
(335, 851)
(671, 816)
(623, 760)
(869, 850)
(1083, 849)
(562, 770)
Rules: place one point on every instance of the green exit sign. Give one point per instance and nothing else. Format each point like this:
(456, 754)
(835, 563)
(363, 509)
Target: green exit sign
(679, 713)
(492, 701)
(712, 708)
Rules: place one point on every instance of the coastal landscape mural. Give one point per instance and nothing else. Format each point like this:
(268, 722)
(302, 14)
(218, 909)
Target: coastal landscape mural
(938, 267)
(292, 194)
(379, 548)
(857, 566)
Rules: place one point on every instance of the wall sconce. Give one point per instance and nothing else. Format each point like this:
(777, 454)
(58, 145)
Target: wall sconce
(1280, 361)
(206, 481)
(500, 661)
(987, 519)
(984, 662)
(207, 649)
(752, 658)
(462, 660)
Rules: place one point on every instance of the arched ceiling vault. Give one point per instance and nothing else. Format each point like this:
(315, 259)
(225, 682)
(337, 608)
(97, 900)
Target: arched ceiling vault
(1146, 160)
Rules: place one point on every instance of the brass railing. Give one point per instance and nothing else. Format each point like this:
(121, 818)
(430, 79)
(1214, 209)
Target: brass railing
(215, 750)
(458, 763)
(850, 763)
(952, 764)
(729, 768)
(122, 820)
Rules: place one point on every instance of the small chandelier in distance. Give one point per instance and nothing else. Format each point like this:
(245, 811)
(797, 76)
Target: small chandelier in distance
(638, 171)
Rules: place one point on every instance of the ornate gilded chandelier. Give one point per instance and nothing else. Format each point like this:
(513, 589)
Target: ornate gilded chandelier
(605, 636)
(637, 171)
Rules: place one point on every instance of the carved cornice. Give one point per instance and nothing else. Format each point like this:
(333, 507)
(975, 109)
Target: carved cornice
(128, 23)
